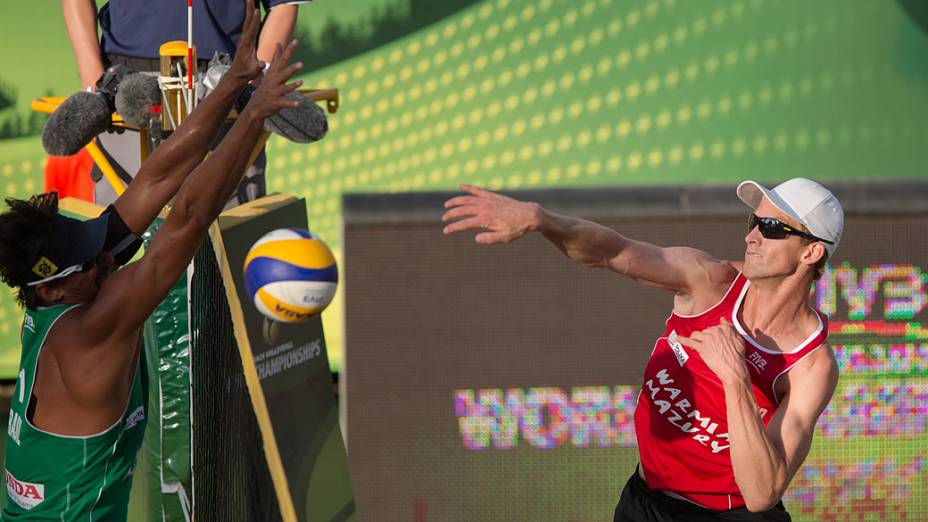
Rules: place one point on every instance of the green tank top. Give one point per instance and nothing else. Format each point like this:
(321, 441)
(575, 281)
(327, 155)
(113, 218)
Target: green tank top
(56, 477)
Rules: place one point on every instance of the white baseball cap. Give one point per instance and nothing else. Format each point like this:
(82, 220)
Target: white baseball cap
(805, 201)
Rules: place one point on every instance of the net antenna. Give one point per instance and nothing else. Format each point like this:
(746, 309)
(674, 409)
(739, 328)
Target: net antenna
(176, 80)
(190, 99)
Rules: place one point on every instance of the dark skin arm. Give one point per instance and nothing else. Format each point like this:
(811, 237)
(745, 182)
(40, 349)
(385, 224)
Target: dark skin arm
(95, 346)
(162, 174)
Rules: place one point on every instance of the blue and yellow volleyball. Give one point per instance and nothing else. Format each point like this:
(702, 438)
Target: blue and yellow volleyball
(290, 275)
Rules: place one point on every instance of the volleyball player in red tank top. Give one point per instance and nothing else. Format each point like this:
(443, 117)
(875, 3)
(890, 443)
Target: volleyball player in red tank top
(736, 382)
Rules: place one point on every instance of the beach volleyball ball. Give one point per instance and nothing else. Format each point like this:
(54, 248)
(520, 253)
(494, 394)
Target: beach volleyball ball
(290, 275)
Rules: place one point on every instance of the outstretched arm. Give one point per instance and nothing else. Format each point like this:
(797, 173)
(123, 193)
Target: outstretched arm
(505, 219)
(162, 174)
(128, 296)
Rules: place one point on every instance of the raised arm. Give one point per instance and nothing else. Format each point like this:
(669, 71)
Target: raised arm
(80, 20)
(162, 174)
(128, 296)
(505, 219)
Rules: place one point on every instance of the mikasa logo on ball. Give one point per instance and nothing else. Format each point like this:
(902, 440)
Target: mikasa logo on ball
(290, 275)
(286, 312)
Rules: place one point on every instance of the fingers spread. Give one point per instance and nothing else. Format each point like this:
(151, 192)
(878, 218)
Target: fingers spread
(275, 60)
(464, 224)
(252, 22)
(491, 238)
(460, 201)
(292, 86)
(294, 68)
(288, 51)
(477, 191)
(458, 212)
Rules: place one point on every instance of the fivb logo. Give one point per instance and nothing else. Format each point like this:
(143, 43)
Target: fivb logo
(25, 494)
(758, 362)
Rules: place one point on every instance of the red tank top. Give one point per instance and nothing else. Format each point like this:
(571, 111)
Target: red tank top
(680, 418)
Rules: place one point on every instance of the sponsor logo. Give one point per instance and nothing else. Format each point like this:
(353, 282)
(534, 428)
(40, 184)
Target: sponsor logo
(14, 426)
(758, 362)
(25, 494)
(44, 268)
(291, 314)
(314, 299)
(677, 348)
(29, 323)
(136, 417)
(673, 406)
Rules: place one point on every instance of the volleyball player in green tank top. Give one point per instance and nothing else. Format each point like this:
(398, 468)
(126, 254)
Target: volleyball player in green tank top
(93, 471)
(78, 411)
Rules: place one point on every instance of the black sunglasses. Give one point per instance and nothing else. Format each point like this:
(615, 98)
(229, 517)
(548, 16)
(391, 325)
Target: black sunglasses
(772, 228)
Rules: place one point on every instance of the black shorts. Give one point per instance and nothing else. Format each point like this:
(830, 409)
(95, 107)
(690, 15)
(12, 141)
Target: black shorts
(640, 504)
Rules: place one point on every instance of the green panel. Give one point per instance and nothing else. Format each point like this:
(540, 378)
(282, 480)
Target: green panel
(537, 94)
(167, 438)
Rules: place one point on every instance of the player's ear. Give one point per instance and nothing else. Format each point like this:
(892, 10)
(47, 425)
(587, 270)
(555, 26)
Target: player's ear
(50, 293)
(813, 253)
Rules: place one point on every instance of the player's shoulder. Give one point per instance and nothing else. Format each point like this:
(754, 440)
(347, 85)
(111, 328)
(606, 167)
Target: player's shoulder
(709, 281)
(819, 365)
(66, 334)
(720, 275)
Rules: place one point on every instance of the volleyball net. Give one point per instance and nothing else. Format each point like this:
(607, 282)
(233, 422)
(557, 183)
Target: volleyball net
(244, 422)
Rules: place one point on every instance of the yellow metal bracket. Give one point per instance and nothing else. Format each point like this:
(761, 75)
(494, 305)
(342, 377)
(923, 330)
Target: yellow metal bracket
(48, 104)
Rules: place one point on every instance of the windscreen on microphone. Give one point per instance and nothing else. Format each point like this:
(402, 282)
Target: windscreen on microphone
(304, 123)
(108, 84)
(135, 96)
(75, 123)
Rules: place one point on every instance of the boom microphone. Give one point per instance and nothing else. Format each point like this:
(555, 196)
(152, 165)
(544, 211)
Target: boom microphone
(83, 115)
(304, 123)
(135, 96)
(75, 123)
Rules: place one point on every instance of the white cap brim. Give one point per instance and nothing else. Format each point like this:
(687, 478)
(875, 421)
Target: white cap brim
(752, 193)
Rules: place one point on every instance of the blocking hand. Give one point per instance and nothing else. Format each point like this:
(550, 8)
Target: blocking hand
(271, 94)
(245, 65)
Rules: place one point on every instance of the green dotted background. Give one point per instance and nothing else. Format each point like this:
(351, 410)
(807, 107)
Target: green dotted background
(552, 93)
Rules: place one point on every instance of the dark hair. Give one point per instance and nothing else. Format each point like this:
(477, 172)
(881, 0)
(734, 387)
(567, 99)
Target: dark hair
(24, 232)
